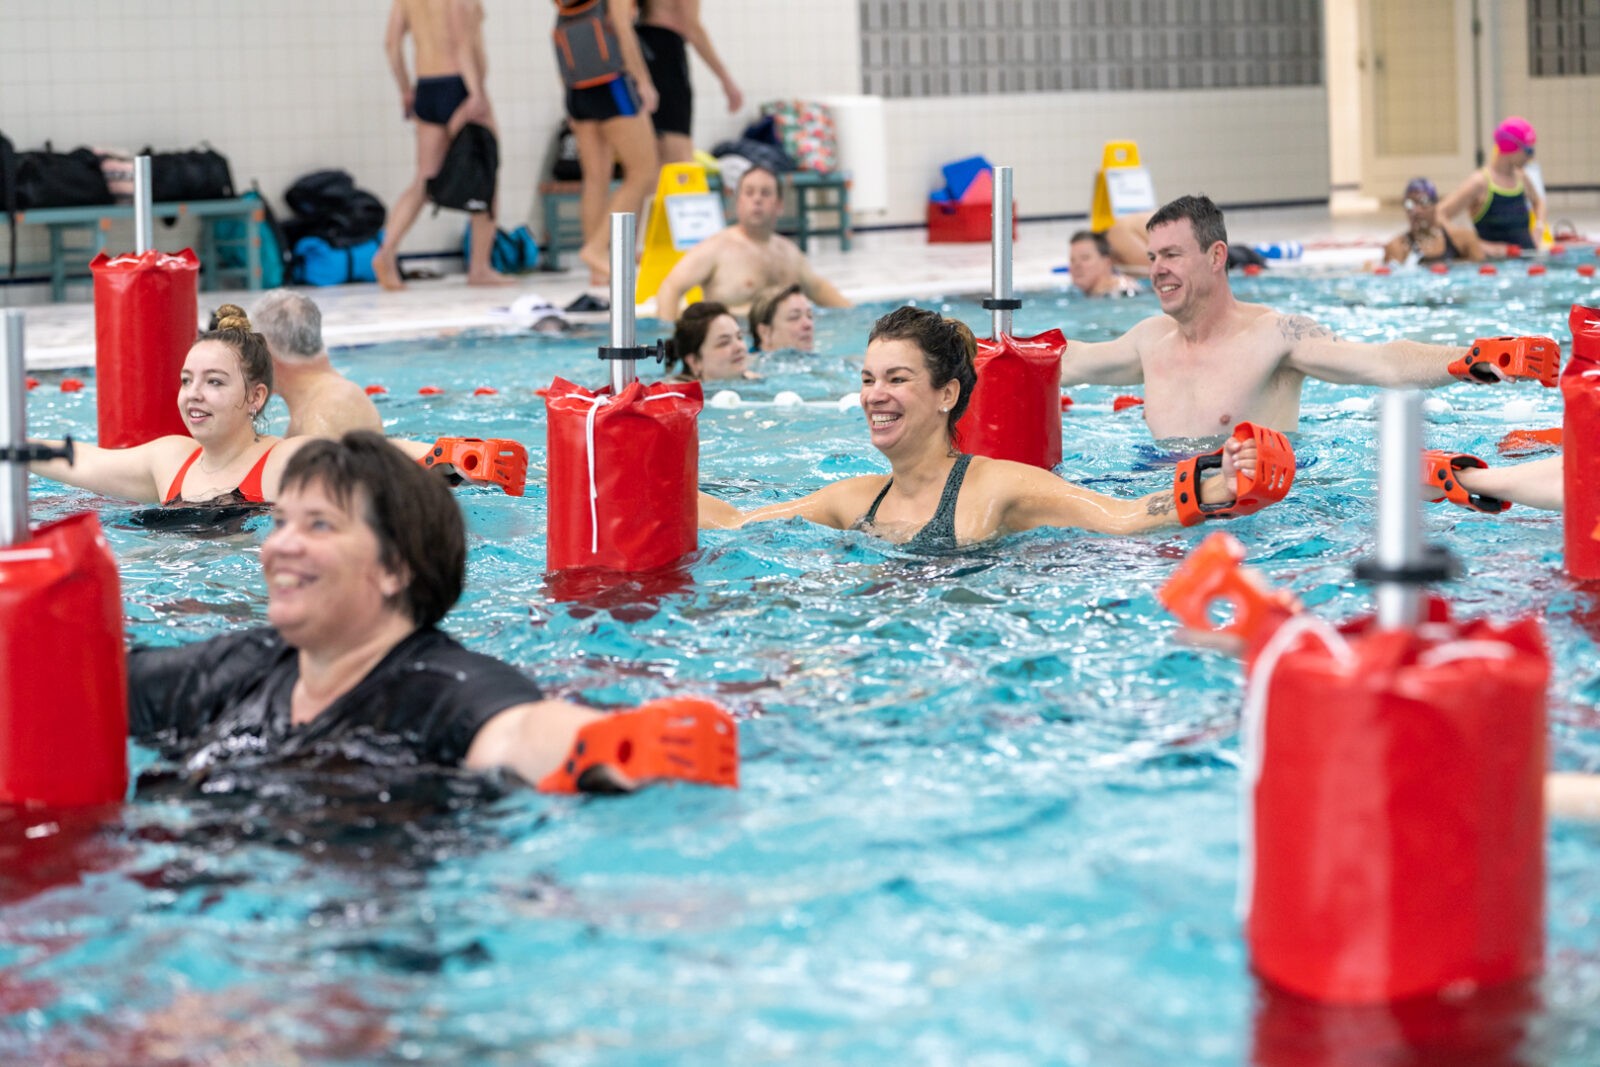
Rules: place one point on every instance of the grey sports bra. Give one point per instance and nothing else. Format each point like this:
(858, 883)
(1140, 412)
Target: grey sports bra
(939, 535)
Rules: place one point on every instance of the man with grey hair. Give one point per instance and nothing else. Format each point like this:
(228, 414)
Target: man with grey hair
(322, 402)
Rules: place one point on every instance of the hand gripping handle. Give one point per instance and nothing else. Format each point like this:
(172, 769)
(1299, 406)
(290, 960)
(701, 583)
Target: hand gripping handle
(1212, 573)
(1497, 359)
(1271, 482)
(690, 739)
(1439, 475)
(483, 459)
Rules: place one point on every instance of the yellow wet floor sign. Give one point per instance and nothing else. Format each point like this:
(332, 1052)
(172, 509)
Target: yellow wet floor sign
(1121, 187)
(683, 213)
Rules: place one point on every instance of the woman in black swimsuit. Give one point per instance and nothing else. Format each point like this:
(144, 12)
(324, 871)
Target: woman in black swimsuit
(916, 380)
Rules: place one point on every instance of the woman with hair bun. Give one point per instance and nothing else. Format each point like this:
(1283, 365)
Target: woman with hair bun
(227, 459)
(707, 345)
(916, 380)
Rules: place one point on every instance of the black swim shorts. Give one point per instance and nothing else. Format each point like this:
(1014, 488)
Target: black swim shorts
(615, 99)
(436, 99)
(668, 60)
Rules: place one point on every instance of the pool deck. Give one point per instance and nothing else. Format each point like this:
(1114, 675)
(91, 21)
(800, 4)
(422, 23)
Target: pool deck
(883, 265)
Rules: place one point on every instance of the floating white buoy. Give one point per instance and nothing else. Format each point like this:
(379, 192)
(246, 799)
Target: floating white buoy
(1358, 404)
(724, 398)
(1433, 405)
(1520, 409)
(787, 399)
(849, 400)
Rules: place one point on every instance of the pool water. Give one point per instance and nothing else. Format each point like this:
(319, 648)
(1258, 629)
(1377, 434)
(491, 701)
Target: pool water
(989, 805)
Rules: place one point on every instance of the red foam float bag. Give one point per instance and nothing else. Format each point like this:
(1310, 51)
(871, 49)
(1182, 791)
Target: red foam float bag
(1397, 824)
(636, 506)
(1580, 432)
(63, 670)
(146, 317)
(1015, 411)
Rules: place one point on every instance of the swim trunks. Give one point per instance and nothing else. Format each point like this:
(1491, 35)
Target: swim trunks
(229, 699)
(615, 99)
(667, 58)
(249, 491)
(1504, 216)
(939, 535)
(436, 99)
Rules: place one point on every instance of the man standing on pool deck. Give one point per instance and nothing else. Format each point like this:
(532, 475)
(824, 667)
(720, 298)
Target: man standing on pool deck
(448, 94)
(736, 263)
(1210, 361)
(664, 27)
(322, 402)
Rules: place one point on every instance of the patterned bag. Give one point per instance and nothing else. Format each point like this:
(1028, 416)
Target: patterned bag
(806, 129)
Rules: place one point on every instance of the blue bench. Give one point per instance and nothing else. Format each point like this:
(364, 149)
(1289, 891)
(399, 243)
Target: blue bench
(69, 259)
(807, 198)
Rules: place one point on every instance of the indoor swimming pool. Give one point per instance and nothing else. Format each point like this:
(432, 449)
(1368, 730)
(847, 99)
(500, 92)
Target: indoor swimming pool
(988, 812)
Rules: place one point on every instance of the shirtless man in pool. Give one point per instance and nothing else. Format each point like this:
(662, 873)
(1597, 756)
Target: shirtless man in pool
(447, 36)
(736, 263)
(1210, 362)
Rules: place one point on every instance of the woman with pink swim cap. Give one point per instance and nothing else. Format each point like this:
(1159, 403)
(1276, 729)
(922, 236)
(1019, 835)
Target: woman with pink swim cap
(1499, 199)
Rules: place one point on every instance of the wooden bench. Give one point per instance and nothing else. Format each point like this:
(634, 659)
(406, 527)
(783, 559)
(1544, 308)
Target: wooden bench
(806, 196)
(69, 260)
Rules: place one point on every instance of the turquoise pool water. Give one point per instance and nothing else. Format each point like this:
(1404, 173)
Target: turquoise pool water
(989, 805)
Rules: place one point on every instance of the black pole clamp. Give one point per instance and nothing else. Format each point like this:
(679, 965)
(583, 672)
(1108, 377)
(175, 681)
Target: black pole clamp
(36, 452)
(995, 303)
(657, 352)
(1436, 565)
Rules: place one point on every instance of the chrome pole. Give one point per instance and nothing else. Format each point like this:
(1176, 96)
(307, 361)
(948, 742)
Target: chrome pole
(1399, 506)
(13, 433)
(623, 281)
(1000, 243)
(143, 190)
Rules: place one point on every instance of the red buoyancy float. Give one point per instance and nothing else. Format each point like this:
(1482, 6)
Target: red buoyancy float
(624, 475)
(1015, 411)
(63, 673)
(1580, 432)
(146, 318)
(1396, 818)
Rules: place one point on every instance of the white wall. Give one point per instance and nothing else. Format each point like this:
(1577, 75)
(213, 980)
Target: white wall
(288, 86)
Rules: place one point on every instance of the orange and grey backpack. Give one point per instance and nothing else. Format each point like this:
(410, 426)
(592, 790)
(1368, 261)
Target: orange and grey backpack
(587, 52)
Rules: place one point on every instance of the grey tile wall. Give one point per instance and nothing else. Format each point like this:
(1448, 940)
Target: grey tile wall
(1563, 38)
(912, 48)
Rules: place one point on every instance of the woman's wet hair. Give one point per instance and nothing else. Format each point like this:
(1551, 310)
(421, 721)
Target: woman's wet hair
(689, 336)
(764, 308)
(421, 535)
(1203, 215)
(231, 326)
(948, 350)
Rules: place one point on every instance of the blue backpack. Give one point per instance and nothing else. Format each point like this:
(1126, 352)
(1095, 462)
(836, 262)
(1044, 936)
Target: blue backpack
(513, 253)
(316, 262)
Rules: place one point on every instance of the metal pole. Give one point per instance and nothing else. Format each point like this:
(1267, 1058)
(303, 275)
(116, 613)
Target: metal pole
(1000, 243)
(623, 270)
(1399, 505)
(143, 190)
(13, 433)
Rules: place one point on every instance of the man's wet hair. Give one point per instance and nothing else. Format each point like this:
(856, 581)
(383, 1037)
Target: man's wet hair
(421, 535)
(1203, 215)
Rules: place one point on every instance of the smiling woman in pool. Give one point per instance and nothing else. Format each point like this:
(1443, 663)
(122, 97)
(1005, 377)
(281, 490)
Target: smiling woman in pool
(916, 380)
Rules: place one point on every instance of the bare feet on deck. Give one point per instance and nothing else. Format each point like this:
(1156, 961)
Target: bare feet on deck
(489, 276)
(387, 271)
(599, 265)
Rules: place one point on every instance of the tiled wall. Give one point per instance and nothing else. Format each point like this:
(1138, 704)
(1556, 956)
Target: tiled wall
(1562, 109)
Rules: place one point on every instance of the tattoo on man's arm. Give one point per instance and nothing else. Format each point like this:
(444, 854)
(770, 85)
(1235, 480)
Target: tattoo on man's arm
(1161, 504)
(1298, 328)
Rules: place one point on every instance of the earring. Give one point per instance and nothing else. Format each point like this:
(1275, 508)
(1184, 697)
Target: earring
(944, 411)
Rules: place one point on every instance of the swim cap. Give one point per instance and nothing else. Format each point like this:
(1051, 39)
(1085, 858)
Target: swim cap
(1421, 189)
(1513, 135)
